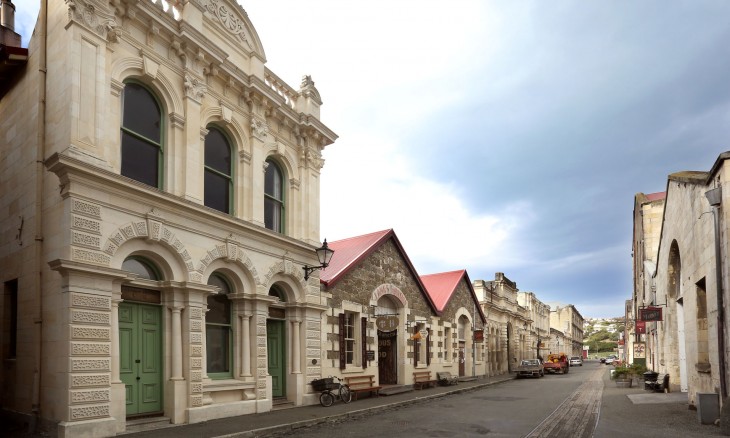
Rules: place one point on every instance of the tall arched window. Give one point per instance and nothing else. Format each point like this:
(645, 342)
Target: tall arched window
(218, 171)
(141, 135)
(274, 197)
(218, 331)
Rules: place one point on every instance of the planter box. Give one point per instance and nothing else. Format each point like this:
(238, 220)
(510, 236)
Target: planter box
(624, 383)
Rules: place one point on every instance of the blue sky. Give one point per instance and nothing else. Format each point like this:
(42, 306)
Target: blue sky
(504, 136)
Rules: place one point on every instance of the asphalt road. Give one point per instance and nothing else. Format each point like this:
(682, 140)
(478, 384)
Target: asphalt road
(512, 409)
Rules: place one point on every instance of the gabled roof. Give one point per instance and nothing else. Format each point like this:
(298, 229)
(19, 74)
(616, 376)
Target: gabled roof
(441, 288)
(351, 251)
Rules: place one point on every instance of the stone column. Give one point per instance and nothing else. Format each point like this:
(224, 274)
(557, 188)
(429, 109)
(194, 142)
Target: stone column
(245, 345)
(296, 341)
(177, 366)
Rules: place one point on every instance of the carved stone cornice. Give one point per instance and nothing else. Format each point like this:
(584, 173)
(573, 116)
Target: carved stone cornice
(95, 16)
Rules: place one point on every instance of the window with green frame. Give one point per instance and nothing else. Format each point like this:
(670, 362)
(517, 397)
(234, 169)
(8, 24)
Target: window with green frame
(142, 125)
(218, 331)
(274, 197)
(218, 183)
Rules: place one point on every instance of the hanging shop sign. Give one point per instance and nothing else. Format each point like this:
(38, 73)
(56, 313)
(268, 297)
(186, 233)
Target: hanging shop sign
(387, 323)
(650, 314)
(640, 327)
(478, 335)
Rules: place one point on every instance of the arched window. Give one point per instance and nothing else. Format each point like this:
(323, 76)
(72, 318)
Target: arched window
(142, 268)
(218, 171)
(274, 197)
(141, 135)
(275, 291)
(218, 330)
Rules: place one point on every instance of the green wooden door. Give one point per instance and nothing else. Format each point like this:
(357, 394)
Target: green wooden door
(140, 357)
(277, 358)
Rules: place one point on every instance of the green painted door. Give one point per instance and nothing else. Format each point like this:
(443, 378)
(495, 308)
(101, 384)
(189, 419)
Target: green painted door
(140, 357)
(277, 358)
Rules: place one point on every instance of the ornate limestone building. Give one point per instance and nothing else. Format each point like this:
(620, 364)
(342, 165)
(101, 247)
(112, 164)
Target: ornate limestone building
(508, 324)
(539, 329)
(161, 186)
(567, 320)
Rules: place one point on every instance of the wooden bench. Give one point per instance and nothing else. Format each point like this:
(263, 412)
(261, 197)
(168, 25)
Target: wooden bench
(660, 385)
(360, 384)
(421, 379)
(445, 378)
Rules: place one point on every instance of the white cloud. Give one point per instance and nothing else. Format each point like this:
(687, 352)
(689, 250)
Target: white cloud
(374, 187)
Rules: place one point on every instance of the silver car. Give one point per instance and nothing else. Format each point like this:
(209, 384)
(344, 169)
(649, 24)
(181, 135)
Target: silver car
(576, 360)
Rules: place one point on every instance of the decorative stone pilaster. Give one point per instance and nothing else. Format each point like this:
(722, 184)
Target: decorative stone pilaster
(296, 342)
(245, 345)
(177, 357)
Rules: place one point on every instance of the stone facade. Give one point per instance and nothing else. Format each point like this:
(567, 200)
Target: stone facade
(508, 324)
(540, 316)
(648, 215)
(568, 320)
(73, 220)
(686, 343)
(384, 284)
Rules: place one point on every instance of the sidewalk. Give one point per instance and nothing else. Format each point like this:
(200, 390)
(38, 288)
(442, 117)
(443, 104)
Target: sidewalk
(634, 412)
(293, 418)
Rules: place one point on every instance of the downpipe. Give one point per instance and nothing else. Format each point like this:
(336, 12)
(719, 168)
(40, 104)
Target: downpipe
(39, 176)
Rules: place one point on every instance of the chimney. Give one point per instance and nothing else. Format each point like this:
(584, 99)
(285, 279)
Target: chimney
(8, 37)
(7, 14)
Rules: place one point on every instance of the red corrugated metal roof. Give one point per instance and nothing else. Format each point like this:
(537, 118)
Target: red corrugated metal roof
(442, 286)
(656, 196)
(350, 251)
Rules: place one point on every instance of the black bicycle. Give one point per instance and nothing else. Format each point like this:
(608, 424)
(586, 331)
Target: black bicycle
(332, 390)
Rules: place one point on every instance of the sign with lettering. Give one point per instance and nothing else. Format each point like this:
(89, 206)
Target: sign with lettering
(387, 323)
(650, 314)
(640, 327)
(371, 354)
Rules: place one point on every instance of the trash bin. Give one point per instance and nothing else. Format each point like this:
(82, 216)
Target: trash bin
(650, 377)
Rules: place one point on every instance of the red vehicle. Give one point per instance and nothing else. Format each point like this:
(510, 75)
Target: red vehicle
(557, 363)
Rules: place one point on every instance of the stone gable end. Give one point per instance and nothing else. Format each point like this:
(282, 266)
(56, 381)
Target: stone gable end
(384, 265)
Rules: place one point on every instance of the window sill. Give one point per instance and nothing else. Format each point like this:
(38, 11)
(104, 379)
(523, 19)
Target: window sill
(226, 385)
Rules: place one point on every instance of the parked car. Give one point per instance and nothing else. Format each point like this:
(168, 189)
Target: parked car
(576, 360)
(610, 360)
(530, 368)
(603, 360)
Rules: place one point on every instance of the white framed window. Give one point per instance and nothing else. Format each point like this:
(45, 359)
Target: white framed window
(448, 345)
